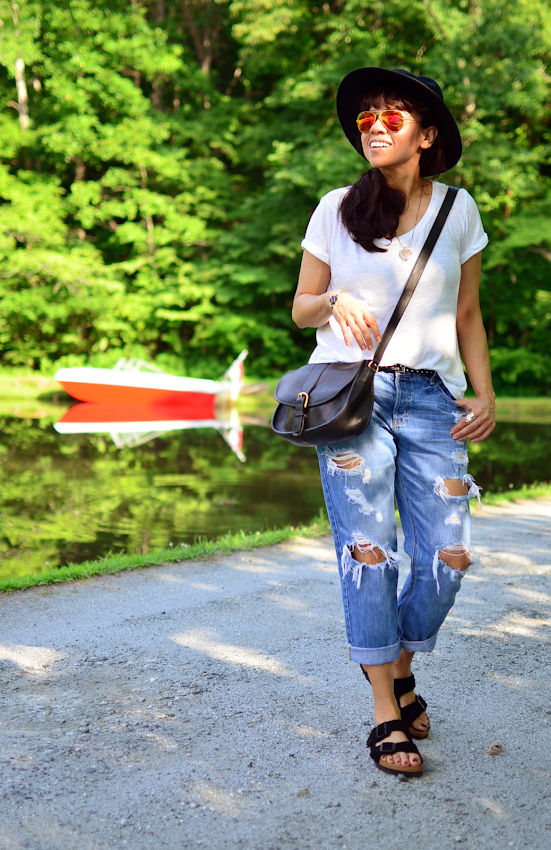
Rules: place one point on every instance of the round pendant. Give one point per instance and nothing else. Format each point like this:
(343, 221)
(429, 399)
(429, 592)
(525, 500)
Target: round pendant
(405, 253)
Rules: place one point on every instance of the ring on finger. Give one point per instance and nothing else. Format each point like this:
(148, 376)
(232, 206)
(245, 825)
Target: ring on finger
(470, 418)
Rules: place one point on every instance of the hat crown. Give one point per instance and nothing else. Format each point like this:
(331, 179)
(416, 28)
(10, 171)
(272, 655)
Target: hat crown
(427, 81)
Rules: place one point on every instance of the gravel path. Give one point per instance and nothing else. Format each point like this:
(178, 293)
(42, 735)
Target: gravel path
(210, 705)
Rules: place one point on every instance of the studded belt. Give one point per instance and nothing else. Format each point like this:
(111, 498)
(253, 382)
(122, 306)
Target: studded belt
(399, 367)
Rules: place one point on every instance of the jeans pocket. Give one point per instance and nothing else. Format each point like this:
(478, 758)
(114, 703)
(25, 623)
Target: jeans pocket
(444, 391)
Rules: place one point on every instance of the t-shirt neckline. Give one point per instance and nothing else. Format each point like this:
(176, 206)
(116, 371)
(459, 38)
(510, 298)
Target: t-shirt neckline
(426, 215)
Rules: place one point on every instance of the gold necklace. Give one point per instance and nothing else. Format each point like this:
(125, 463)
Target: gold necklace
(406, 251)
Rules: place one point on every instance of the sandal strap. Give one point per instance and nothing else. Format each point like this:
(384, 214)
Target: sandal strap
(404, 686)
(388, 748)
(412, 711)
(383, 730)
(365, 674)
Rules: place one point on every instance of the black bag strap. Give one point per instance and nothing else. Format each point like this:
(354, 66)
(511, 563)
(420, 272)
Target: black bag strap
(415, 275)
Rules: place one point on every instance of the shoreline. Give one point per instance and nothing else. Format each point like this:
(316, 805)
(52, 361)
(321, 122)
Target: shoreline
(224, 545)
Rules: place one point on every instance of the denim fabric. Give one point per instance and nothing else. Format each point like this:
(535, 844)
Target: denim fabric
(407, 454)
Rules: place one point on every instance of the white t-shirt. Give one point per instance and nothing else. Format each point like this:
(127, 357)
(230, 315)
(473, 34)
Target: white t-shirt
(426, 337)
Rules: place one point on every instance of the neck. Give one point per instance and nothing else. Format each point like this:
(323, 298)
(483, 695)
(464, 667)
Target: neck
(407, 181)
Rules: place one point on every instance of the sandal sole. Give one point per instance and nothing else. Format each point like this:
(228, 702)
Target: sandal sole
(405, 771)
(420, 736)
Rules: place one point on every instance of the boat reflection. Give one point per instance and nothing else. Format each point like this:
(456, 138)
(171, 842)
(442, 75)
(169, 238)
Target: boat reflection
(134, 424)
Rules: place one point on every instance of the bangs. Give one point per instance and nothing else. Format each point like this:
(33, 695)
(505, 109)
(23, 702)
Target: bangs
(380, 99)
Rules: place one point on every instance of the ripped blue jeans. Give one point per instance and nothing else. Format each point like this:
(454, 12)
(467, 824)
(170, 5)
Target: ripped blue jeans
(406, 453)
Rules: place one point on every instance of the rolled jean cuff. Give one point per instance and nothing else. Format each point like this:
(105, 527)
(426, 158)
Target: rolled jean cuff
(376, 656)
(419, 645)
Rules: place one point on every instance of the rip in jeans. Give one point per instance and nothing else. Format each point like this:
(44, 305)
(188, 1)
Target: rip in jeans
(471, 489)
(349, 564)
(348, 463)
(451, 552)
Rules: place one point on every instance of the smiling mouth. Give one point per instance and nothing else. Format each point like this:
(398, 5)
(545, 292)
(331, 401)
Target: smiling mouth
(379, 145)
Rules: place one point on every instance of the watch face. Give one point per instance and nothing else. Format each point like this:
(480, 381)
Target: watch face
(333, 300)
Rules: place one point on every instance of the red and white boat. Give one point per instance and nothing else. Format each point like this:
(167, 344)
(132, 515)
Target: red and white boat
(135, 402)
(132, 381)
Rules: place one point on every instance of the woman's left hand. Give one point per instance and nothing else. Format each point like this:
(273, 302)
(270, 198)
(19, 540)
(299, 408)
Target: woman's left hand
(484, 422)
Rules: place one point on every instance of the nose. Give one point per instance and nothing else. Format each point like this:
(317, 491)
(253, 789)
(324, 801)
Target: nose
(378, 126)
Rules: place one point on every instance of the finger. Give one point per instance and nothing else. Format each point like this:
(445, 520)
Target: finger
(486, 434)
(371, 322)
(345, 332)
(375, 328)
(360, 319)
(471, 424)
(462, 422)
(358, 336)
(360, 332)
(464, 427)
(471, 431)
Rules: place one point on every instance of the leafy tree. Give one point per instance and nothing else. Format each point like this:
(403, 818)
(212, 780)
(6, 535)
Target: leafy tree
(154, 201)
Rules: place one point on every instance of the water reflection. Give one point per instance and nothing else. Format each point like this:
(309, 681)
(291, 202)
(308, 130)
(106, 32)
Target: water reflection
(135, 424)
(74, 496)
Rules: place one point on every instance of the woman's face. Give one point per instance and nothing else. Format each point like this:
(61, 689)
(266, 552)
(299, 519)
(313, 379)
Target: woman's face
(388, 148)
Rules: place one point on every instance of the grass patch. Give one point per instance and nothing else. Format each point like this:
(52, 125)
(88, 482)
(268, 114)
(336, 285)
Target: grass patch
(535, 411)
(202, 550)
(529, 491)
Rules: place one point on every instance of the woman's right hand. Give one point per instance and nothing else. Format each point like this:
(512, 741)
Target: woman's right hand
(355, 320)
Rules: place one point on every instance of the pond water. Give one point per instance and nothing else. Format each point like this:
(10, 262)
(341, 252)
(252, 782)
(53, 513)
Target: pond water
(69, 498)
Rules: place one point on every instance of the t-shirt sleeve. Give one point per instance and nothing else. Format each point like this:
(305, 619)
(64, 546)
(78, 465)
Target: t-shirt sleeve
(474, 239)
(319, 232)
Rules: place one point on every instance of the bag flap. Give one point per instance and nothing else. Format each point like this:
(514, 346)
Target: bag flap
(322, 382)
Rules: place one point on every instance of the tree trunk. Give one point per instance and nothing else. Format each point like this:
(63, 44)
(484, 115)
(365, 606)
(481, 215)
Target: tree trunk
(204, 41)
(22, 98)
(160, 11)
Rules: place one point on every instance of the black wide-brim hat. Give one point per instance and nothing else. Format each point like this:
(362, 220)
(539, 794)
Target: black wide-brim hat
(360, 82)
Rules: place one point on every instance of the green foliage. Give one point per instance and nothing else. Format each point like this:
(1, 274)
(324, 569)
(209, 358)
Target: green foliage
(156, 203)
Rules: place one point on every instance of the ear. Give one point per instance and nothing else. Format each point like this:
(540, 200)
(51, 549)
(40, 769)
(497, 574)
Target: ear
(429, 136)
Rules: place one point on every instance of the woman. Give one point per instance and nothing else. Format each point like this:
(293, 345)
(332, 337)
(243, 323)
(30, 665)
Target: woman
(359, 249)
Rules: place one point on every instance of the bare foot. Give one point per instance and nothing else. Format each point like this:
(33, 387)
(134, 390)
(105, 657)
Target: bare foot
(421, 723)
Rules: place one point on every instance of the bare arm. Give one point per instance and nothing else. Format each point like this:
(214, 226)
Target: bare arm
(473, 346)
(311, 305)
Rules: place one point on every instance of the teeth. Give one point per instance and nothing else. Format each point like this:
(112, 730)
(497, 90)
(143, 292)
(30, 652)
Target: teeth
(379, 145)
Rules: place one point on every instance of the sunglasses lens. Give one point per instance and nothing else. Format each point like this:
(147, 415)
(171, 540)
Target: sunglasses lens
(365, 121)
(392, 120)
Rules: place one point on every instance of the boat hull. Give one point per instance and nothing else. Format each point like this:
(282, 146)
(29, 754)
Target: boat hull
(111, 386)
(120, 394)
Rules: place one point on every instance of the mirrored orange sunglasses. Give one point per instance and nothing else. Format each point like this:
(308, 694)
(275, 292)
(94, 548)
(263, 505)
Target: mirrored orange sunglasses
(392, 119)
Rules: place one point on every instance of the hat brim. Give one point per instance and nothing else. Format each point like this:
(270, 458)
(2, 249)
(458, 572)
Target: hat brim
(358, 83)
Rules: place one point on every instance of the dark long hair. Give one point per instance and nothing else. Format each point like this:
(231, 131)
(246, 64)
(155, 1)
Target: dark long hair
(371, 209)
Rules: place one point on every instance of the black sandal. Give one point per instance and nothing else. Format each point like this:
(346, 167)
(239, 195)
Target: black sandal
(410, 712)
(389, 748)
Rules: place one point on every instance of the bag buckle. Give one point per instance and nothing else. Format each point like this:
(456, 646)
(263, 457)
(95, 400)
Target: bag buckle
(370, 366)
(299, 414)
